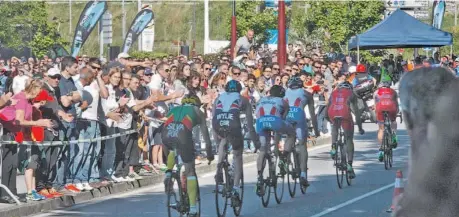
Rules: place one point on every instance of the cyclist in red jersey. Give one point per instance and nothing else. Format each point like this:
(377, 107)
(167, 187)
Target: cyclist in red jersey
(386, 100)
(342, 101)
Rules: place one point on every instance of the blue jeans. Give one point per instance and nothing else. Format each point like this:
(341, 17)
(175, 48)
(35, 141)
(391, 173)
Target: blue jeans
(63, 175)
(86, 155)
(108, 160)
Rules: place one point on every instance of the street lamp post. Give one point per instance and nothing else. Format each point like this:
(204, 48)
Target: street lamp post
(281, 48)
(233, 29)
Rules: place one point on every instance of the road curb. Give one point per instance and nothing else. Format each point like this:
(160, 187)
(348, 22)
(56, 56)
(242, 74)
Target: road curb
(66, 201)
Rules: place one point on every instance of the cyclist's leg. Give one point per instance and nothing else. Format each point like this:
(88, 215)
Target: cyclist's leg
(191, 184)
(348, 128)
(265, 141)
(334, 136)
(393, 117)
(302, 135)
(237, 141)
(286, 128)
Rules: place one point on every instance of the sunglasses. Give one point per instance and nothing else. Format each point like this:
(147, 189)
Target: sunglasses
(237, 74)
(95, 67)
(206, 68)
(167, 70)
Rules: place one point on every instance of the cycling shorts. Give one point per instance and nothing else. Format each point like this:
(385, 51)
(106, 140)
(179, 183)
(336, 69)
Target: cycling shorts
(346, 122)
(386, 105)
(297, 118)
(176, 136)
(272, 123)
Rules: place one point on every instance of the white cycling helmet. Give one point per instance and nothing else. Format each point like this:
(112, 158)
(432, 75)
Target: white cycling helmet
(352, 69)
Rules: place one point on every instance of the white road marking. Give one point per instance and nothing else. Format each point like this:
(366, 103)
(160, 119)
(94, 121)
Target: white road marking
(349, 202)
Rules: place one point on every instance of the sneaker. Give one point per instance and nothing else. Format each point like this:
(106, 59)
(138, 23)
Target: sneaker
(333, 153)
(193, 211)
(44, 192)
(163, 167)
(129, 179)
(34, 196)
(118, 179)
(394, 140)
(87, 187)
(135, 176)
(55, 194)
(380, 156)
(350, 170)
(79, 186)
(304, 181)
(146, 168)
(260, 187)
(72, 188)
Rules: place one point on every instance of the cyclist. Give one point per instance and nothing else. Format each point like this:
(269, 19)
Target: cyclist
(227, 124)
(341, 101)
(177, 135)
(386, 100)
(297, 99)
(271, 112)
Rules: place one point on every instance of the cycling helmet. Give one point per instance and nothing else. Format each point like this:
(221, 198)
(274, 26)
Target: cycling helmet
(345, 84)
(191, 99)
(361, 68)
(277, 91)
(384, 84)
(233, 86)
(295, 82)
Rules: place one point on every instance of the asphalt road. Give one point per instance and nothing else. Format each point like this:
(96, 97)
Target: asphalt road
(370, 193)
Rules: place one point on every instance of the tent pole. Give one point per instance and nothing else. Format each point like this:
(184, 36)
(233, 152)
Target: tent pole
(358, 50)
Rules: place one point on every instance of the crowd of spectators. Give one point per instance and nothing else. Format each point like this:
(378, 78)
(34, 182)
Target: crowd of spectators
(85, 98)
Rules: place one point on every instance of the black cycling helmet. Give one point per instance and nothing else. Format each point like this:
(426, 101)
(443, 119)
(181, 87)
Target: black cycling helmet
(385, 84)
(191, 99)
(295, 82)
(233, 86)
(277, 91)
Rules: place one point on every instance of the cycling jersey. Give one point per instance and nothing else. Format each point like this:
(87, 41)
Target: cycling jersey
(386, 100)
(270, 115)
(339, 106)
(177, 130)
(226, 118)
(297, 99)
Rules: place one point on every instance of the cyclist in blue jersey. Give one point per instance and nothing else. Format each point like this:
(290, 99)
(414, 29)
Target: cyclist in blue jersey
(297, 99)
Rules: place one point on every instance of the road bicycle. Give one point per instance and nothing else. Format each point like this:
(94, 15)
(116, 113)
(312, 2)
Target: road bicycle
(340, 161)
(177, 195)
(387, 141)
(224, 182)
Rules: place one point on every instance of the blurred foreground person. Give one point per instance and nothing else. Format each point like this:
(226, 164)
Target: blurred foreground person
(432, 119)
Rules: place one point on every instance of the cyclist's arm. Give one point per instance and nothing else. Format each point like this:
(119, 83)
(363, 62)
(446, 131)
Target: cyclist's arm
(355, 108)
(204, 130)
(326, 109)
(286, 109)
(247, 109)
(311, 112)
(396, 100)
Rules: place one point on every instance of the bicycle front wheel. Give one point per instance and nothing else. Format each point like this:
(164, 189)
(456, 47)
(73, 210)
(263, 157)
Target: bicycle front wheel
(237, 209)
(266, 177)
(279, 179)
(292, 173)
(221, 190)
(174, 203)
(340, 166)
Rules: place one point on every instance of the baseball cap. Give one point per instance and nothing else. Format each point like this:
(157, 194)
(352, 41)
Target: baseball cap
(52, 72)
(43, 96)
(123, 55)
(352, 69)
(148, 71)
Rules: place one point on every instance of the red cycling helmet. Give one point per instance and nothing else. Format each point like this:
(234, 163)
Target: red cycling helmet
(361, 68)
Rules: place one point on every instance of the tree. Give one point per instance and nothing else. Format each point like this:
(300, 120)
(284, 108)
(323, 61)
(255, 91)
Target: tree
(249, 18)
(26, 24)
(334, 22)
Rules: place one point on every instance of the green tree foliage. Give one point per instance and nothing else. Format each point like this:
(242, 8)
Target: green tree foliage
(334, 22)
(26, 24)
(249, 18)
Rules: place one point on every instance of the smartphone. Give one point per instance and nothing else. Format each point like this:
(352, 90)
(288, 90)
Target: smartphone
(126, 93)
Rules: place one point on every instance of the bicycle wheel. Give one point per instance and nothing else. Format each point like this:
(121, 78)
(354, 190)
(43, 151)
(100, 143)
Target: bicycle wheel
(386, 150)
(237, 210)
(266, 177)
(298, 169)
(279, 180)
(221, 191)
(292, 175)
(174, 203)
(340, 168)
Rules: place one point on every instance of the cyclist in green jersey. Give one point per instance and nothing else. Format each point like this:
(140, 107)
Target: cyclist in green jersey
(177, 137)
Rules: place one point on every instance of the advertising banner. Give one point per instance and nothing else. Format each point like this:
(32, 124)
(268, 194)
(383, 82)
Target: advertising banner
(143, 18)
